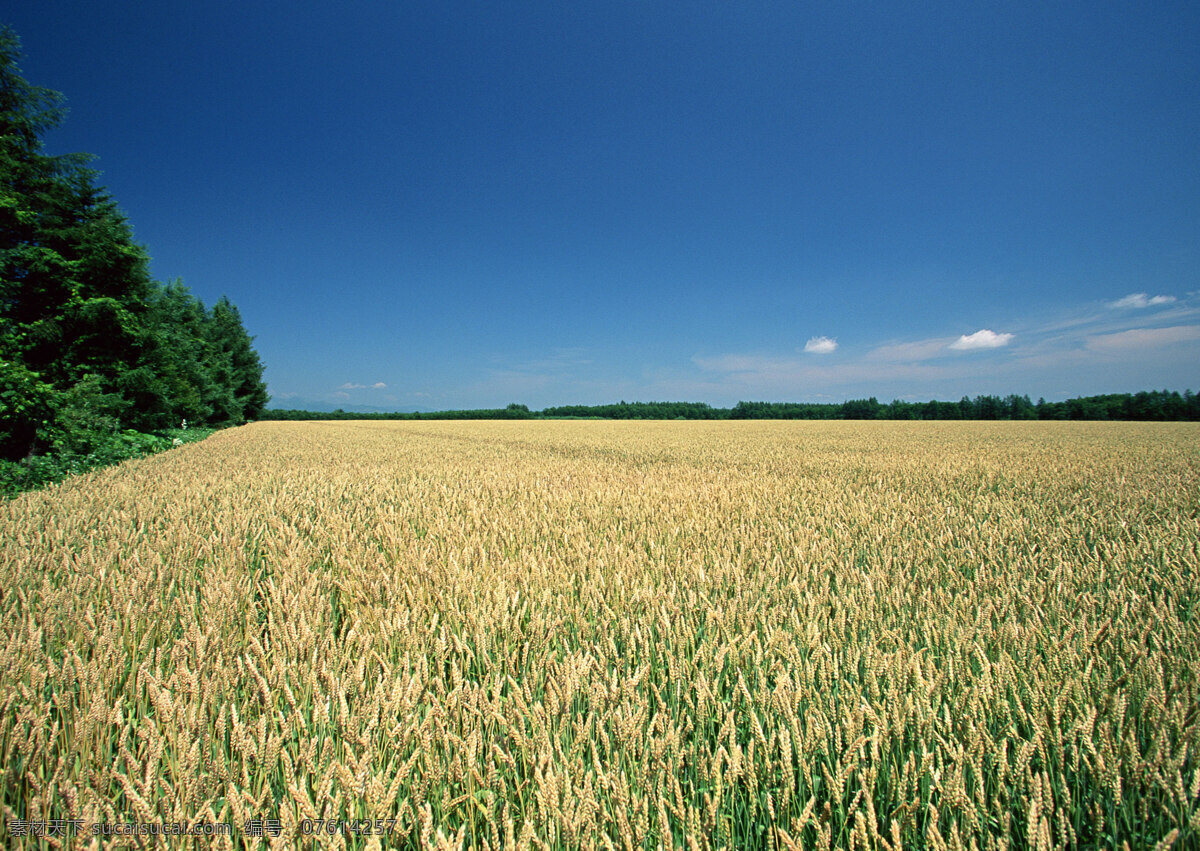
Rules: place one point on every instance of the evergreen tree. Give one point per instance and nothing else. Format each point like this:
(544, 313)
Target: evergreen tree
(74, 286)
(229, 340)
(184, 357)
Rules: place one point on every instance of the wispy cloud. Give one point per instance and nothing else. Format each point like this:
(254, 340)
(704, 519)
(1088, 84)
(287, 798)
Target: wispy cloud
(1138, 339)
(1093, 350)
(555, 375)
(919, 350)
(1139, 300)
(909, 352)
(797, 374)
(1090, 348)
(734, 363)
(982, 339)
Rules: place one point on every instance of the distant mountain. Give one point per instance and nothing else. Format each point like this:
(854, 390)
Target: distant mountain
(329, 407)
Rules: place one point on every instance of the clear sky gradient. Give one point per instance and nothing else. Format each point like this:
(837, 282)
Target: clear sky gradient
(457, 205)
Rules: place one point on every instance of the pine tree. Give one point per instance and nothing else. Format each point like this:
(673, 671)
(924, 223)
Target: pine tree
(183, 356)
(229, 339)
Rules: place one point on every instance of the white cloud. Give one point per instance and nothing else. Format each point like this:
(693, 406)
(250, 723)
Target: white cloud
(379, 385)
(1091, 351)
(983, 339)
(820, 345)
(349, 385)
(1143, 338)
(1141, 300)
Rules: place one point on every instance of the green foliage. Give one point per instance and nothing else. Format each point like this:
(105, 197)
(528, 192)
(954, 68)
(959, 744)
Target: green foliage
(87, 416)
(94, 450)
(92, 350)
(26, 410)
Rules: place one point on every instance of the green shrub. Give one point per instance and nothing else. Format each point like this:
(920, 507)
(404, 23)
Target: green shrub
(102, 450)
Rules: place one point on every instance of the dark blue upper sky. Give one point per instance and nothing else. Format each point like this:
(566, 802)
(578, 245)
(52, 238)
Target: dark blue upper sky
(467, 204)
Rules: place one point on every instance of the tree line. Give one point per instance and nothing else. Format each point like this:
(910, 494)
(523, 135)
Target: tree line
(1158, 405)
(91, 346)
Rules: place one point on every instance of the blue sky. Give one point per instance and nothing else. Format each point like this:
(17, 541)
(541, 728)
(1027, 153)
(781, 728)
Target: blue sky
(468, 204)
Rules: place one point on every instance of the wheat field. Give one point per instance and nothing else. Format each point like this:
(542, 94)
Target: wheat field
(614, 635)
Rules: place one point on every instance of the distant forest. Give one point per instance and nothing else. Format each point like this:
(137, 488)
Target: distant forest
(98, 361)
(1155, 405)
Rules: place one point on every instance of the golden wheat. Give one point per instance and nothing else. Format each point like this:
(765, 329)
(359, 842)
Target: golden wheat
(615, 635)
